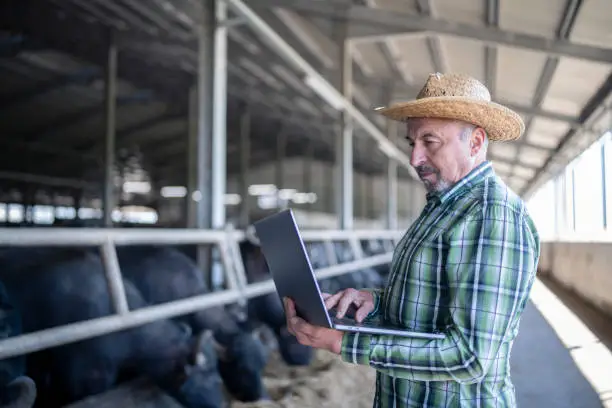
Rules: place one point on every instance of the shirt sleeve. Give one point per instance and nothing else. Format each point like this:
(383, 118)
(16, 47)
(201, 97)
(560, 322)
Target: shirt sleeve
(490, 262)
(377, 295)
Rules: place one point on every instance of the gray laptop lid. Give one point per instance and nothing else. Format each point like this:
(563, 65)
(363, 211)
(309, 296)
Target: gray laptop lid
(290, 267)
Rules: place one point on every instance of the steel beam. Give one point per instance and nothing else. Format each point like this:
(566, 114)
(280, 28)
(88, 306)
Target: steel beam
(111, 128)
(492, 20)
(245, 163)
(550, 67)
(392, 173)
(219, 101)
(344, 134)
(297, 61)
(367, 22)
(594, 104)
(192, 163)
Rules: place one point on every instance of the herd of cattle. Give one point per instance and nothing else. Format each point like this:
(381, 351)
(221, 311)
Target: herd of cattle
(192, 357)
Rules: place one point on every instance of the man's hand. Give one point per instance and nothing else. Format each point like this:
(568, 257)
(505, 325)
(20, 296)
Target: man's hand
(361, 299)
(309, 335)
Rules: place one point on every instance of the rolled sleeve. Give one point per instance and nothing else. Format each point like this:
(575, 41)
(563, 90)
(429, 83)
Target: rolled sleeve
(356, 348)
(377, 295)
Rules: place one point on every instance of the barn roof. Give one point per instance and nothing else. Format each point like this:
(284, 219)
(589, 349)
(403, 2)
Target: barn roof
(550, 60)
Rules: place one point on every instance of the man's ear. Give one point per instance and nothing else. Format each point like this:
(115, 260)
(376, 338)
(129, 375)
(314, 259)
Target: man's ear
(477, 141)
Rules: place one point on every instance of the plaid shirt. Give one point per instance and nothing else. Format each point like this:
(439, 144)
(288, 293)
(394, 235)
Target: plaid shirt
(465, 268)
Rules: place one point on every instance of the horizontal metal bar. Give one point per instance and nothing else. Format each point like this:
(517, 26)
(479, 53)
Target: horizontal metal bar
(57, 336)
(99, 236)
(316, 235)
(262, 288)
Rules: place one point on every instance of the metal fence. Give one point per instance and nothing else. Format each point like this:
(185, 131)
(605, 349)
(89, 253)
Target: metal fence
(227, 243)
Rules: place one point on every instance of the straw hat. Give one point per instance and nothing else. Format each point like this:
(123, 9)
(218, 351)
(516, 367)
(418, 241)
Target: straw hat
(460, 97)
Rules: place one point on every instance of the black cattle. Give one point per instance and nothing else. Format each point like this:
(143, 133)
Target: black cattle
(165, 274)
(269, 309)
(73, 288)
(16, 389)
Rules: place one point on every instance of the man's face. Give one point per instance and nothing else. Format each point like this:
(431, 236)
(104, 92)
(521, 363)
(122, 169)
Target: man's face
(443, 151)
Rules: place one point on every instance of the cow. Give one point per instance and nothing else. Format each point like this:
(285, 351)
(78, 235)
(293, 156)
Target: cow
(17, 390)
(164, 274)
(269, 309)
(70, 287)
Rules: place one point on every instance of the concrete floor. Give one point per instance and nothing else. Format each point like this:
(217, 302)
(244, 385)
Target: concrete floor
(543, 371)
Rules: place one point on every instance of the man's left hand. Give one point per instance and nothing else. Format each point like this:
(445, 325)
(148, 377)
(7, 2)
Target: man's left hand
(309, 335)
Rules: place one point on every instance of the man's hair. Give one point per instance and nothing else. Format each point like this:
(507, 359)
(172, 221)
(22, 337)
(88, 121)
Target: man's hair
(466, 132)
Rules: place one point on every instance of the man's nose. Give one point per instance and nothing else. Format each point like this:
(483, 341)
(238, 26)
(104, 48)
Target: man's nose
(416, 156)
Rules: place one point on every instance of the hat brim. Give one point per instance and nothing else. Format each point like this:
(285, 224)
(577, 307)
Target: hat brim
(500, 122)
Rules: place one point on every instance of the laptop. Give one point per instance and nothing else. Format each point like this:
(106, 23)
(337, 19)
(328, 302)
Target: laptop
(287, 259)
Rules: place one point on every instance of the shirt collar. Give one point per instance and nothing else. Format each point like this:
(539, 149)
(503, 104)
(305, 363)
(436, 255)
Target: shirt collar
(474, 177)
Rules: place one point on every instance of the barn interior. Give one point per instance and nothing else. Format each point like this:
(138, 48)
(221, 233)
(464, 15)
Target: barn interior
(196, 115)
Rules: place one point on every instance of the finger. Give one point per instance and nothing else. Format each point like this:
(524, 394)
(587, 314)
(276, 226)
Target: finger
(303, 340)
(289, 307)
(362, 313)
(325, 295)
(332, 301)
(301, 326)
(344, 304)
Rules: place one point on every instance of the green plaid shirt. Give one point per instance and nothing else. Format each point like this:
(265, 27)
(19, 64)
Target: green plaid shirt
(465, 268)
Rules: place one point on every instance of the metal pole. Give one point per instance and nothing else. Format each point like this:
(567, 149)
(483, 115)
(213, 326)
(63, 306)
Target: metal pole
(603, 184)
(392, 184)
(219, 106)
(113, 277)
(202, 196)
(192, 158)
(307, 173)
(203, 150)
(281, 146)
(573, 200)
(344, 195)
(111, 107)
(245, 162)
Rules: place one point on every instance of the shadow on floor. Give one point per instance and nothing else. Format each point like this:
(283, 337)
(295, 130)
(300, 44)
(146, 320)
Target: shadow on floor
(543, 371)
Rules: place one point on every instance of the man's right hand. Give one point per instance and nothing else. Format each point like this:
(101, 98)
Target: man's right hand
(363, 301)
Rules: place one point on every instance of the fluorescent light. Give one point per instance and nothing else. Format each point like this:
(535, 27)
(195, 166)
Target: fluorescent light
(137, 187)
(286, 193)
(304, 198)
(267, 202)
(325, 91)
(173, 191)
(232, 199)
(312, 197)
(262, 189)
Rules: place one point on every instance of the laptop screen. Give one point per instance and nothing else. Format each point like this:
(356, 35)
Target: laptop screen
(290, 267)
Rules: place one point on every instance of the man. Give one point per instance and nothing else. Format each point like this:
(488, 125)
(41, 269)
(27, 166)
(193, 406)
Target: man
(465, 268)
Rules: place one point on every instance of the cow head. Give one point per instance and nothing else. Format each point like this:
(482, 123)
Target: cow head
(19, 393)
(198, 384)
(242, 359)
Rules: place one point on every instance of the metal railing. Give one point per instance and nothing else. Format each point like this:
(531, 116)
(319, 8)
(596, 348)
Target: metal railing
(226, 241)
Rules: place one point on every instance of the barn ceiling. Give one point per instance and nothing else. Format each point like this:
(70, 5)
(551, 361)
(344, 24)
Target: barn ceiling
(550, 60)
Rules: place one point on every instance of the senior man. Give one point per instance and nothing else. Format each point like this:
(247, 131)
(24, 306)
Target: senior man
(464, 268)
